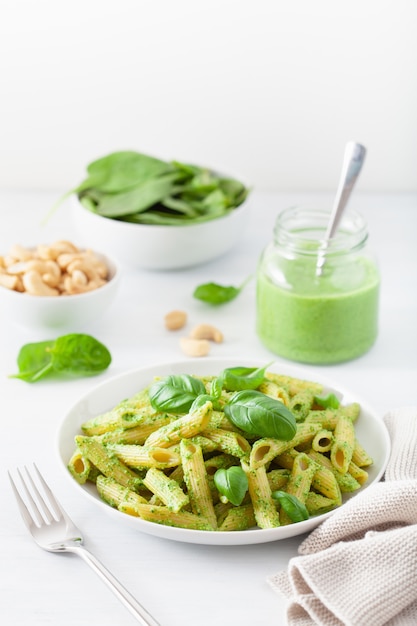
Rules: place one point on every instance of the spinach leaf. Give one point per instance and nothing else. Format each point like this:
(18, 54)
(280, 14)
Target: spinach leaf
(34, 361)
(294, 508)
(232, 483)
(331, 401)
(239, 378)
(120, 171)
(176, 393)
(74, 354)
(79, 354)
(137, 199)
(258, 414)
(216, 294)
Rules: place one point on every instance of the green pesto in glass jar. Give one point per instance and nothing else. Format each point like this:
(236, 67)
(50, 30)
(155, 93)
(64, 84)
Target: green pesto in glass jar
(311, 318)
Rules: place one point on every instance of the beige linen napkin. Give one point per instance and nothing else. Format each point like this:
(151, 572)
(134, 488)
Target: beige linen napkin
(359, 567)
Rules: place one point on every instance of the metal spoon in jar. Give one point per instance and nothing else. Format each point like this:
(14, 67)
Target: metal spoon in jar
(352, 164)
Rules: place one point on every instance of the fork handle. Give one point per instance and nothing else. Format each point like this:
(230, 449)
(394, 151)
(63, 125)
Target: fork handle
(132, 605)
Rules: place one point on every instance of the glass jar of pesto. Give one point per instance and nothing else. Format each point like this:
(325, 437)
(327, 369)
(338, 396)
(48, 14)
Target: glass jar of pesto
(310, 317)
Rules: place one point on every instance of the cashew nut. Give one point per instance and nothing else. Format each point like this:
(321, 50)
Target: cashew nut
(49, 270)
(100, 267)
(194, 347)
(53, 251)
(17, 268)
(76, 284)
(174, 320)
(206, 331)
(33, 284)
(19, 253)
(87, 267)
(79, 278)
(9, 281)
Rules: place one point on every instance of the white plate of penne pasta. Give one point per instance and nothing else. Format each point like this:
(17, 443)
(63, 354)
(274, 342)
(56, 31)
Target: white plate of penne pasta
(221, 451)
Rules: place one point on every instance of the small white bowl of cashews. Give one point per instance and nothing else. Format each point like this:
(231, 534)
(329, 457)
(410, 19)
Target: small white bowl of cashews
(57, 285)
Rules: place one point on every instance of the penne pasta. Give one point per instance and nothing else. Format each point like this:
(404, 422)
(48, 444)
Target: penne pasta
(182, 428)
(360, 457)
(264, 507)
(299, 482)
(195, 477)
(166, 489)
(115, 494)
(107, 463)
(143, 457)
(229, 442)
(322, 441)
(266, 449)
(164, 515)
(343, 445)
(239, 518)
(329, 417)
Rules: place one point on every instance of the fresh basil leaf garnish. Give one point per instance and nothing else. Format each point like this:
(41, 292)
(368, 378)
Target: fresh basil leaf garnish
(239, 378)
(258, 414)
(294, 508)
(232, 483)
(176, 393)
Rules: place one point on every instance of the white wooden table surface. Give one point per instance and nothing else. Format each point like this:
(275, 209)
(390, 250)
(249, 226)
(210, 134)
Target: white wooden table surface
(180, 584)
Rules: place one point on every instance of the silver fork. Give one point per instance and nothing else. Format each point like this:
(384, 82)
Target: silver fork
(54, 531)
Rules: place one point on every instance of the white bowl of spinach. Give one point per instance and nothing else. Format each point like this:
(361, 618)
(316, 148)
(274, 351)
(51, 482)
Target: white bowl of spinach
(160, 215)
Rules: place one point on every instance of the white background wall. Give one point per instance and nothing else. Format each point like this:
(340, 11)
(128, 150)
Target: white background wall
(269, 89)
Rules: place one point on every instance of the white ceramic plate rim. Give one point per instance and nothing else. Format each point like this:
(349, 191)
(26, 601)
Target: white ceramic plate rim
(370, 428)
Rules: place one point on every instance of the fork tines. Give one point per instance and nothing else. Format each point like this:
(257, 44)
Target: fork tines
(34, 507)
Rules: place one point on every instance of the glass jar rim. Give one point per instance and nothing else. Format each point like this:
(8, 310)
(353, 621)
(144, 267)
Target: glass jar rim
(302, 228)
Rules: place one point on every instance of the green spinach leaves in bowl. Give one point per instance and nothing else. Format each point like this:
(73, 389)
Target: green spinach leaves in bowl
(141, 189)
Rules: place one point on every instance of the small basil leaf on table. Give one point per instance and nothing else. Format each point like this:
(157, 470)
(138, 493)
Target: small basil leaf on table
(214, 293)
(258, 414)
(239, 378)
(175, 393)
(232, 483)
(75, 354)
(294, 508)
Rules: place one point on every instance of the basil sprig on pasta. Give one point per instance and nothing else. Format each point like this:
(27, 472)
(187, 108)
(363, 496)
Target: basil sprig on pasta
(175, 394)
(250, 410)
(294, 508)
(258, 414)
(239, 378)
(232, 484)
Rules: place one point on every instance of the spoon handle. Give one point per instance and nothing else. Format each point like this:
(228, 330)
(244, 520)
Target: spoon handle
(352, 164)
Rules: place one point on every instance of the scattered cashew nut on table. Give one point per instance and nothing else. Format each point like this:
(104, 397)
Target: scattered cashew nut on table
(198, 343)
(58, 269)
(175, 320)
